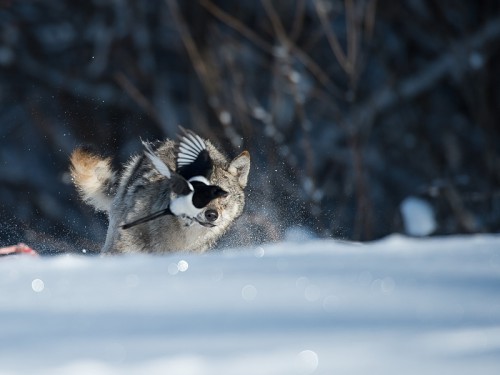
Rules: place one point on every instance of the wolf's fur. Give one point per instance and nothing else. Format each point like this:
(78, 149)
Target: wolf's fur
(140, 190)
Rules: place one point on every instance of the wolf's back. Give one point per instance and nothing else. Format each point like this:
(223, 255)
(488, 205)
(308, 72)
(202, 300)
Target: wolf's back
(94, 178)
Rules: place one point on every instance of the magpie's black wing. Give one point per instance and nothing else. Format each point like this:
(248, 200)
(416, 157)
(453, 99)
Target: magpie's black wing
(156, 161)
(180, 185)
(193, 158)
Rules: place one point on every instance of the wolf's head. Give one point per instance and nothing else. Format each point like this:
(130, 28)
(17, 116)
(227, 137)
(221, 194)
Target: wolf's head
(232, 177)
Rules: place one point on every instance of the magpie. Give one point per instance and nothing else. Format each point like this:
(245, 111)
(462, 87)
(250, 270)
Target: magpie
(189, 183)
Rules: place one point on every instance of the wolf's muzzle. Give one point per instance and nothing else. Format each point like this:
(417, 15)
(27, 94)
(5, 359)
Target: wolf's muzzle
(211, 215)
(208, 218)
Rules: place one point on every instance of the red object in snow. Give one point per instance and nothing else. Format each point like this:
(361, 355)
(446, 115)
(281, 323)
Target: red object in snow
(20, 248)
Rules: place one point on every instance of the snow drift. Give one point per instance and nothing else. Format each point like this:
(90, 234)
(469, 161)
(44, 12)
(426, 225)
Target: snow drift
(395, 306)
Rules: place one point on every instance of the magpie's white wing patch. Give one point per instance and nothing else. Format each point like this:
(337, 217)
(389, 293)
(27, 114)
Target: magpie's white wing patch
(190, 147)
(157, 162)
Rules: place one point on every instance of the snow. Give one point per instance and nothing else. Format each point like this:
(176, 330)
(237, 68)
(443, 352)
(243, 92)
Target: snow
(418, 216)
(395, 306)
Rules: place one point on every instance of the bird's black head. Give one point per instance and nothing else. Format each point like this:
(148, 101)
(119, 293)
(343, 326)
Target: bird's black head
(204, 194)
(217, 192)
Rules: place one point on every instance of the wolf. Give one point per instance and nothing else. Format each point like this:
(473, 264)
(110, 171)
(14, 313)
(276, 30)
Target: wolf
(139, 190)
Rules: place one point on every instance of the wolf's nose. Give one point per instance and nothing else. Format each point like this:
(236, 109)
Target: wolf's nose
(211, 215)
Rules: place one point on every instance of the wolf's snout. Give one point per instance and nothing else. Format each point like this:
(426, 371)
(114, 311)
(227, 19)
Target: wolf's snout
(211, 215)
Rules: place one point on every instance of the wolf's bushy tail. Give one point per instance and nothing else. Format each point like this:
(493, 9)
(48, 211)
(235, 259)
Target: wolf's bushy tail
(94, 178)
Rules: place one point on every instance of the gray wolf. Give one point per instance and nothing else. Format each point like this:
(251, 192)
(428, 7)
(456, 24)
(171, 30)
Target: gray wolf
(139, 190)
(190, 189)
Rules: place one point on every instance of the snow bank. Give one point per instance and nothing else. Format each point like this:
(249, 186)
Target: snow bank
(395, 306)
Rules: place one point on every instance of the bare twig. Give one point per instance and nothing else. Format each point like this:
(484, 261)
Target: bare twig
(298, 21)
(303, 57)
(138, 97)
(75, 86)
(202, 70)
(349, 60)
(352, 36)
(464, 217)
(192, 50)
(426, 78)
(331, 36)
(236, 91)
(371, 11)
(237, 25)
(279, 29)
(282, 36)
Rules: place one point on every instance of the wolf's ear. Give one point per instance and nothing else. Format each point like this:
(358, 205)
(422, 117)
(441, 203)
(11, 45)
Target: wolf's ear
(240, 166)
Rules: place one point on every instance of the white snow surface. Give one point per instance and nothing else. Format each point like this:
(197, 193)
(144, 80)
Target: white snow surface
(395, 306)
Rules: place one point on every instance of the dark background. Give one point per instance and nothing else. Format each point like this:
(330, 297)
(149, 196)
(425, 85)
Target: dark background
(347, 108)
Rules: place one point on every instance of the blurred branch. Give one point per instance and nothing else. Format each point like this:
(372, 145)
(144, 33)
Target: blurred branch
(453, 61)
(138, 97)
(357, 16)
(75, 86)
(285, 59)
(191, 48)
(278, 27)
(371, 11)
(237, 25)
(298, 21)
(303, 57)
(202, 71)
(352, 35)
(331, 36)
(464, 217)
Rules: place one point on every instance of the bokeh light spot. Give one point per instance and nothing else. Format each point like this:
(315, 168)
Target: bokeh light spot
(37, 285)
(249, 292)
(308, 361)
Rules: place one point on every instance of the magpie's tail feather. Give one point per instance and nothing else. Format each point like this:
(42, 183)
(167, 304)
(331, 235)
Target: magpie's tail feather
(145, 219)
